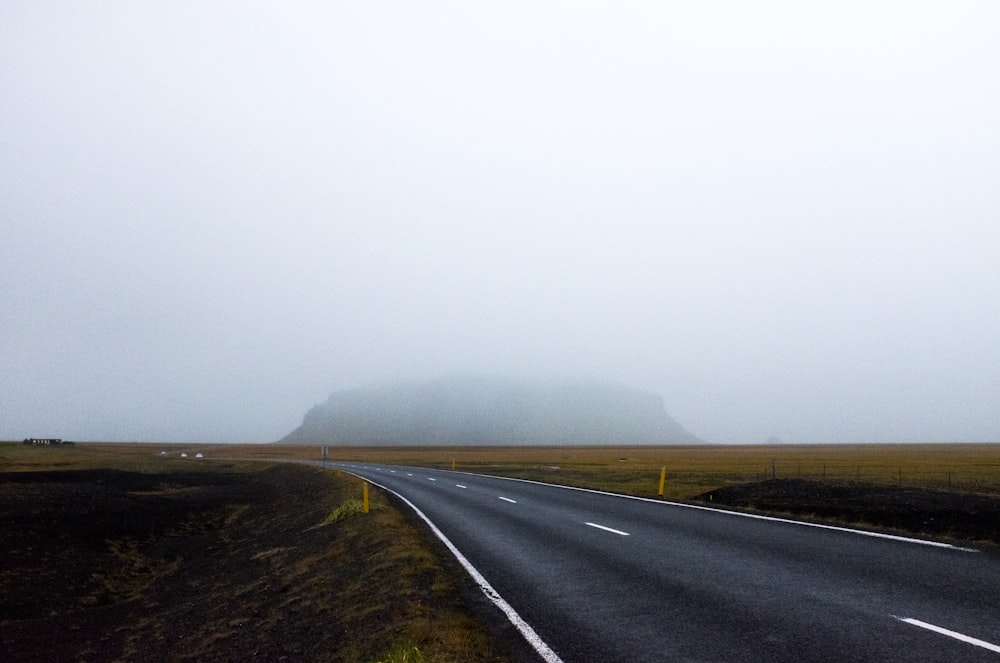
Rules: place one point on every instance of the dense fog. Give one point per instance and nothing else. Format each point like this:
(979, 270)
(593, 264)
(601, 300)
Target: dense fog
(783, 218)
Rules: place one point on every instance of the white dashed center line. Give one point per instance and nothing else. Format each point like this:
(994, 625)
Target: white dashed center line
(608, 529)
(458, 485)
(409, 474)
(951, 634)
(507, 499)
(431, 479)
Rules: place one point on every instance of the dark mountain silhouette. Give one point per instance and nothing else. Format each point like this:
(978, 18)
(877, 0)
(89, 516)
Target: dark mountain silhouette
(486, 410)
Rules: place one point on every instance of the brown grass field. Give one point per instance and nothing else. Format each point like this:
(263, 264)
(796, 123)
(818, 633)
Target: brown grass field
(690, 470)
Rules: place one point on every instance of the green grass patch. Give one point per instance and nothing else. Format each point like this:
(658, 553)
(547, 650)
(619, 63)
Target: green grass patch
(348, 508)
(403, 653)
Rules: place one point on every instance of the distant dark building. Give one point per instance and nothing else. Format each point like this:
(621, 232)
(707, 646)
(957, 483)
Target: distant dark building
(46, 441)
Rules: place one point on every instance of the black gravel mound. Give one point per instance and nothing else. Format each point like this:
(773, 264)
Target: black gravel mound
(930, 513)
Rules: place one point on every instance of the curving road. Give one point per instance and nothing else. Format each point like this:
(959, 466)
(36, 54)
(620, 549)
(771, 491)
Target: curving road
(589, 576)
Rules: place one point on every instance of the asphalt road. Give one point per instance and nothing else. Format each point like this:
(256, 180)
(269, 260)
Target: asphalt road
(603, 578)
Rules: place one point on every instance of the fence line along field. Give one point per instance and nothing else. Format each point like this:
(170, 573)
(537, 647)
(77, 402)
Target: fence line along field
(690, 470)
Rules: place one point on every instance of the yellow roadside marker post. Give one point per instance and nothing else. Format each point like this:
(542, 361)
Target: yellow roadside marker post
(663, 478)
(365, 494)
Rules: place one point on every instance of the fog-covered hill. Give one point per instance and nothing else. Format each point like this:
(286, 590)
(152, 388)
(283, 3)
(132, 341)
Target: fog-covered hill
(485, 410)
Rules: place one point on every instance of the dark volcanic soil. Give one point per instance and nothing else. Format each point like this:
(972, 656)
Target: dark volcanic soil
(103, 565)
(930, 513)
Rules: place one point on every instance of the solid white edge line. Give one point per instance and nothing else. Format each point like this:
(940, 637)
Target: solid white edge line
(608, 529)
(757, 516)
(529, 633)
(951, 634)
(507, 499)
(878, 535)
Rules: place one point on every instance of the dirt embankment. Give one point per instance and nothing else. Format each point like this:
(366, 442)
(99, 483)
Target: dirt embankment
(962, 517)
(105, 565)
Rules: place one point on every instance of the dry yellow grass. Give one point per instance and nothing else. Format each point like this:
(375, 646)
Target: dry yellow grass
(129, 457)
(691, 470)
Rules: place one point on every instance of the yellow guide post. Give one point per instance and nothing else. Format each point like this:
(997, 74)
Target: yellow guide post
(365, 493)
(663, 478)
(452, 463)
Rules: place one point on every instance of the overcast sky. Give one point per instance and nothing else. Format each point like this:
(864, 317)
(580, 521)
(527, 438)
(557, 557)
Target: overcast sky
(783, 217)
